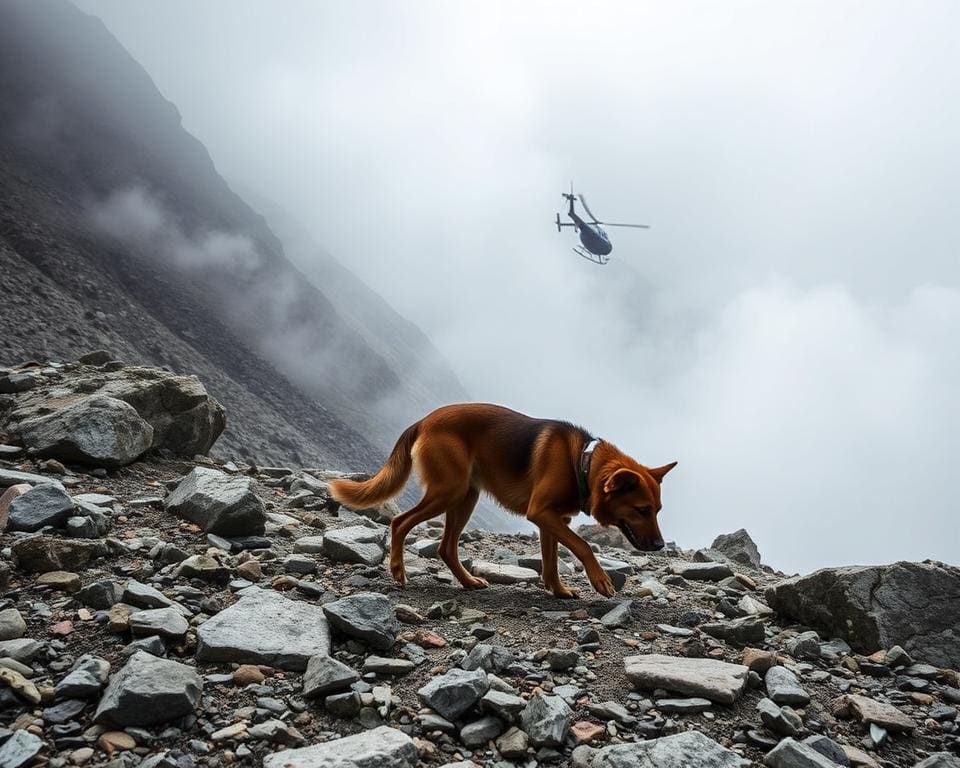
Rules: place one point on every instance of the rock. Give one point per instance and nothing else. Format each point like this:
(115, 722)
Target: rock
(355, 544)
(618, 616)
(683, 706)
(15, 681)
(20, 750)
(263, 627)
(479, 732)
(794, 754)
(149, 691)
(325, 675)
(365, 616)
(94, 429)
(181, 416)
(489, 658)
(682, 750)
(144, 596)
(222, 504)
(606, 538)
(205, 568)
(383, 666)
(701, 571)
(504, 573)
(11, 477)
(940, 760)
(806, 645)
(382, 747)
(61, 581)
(546, 720)
(739, 547)
(718, 681)
(584, 731)
(783, 688)
(513, 744)
(453, 694)
(506, 705)
(22, 649)
(757, 660)
(165, 622)
(39, 554)
(88, 675)
(6, 499)
(885, 715)
(915, 605)
(781, 720)
(560, 659)
(12, 625)
(828, 748)
(41, 506)
(739, 632)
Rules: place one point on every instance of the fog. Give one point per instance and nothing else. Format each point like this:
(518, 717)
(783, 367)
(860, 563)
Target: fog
(787, 330)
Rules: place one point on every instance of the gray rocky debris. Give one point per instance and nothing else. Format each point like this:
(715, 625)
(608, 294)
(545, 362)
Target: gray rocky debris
(355, 544)
(365, 616)
(711, 679)
(453, 694)
(41, 506)
(546, 720)
(783, 687)
(325, 675)
(738, 547)
(382, 747)
(681, 750)
(223, 504)
(790, 753)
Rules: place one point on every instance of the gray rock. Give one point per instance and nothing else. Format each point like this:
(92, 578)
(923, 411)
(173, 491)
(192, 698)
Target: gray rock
(10, 477)
(12, 625)
(618, 616)
(504, 573)
(382, 747)
(165, 622)
(453, 694)
(513, 744)
(20, 749)
(365, 616)
(711, 679)
(783, 688)
(781, 720)
(222, 504)
(940, 760)
(355, 544)
(148, 691)
(479, 732)
(144, 596)
(748, 630)
(546, 720)
(739, 547)
(506, 705)
(829, 748)
(326, 675)
(182, 417)
(489, 658)
(96, 499)
(683, 706)
(682, 750)
(309, 544)
(701, 571)
(425, 547)
(40, 554)
(795, 754)
(22, 649)
(264, 627)
(42, 505)
(915, 605)
(95, 429)
(806, 645)
(88, 675)
(560, 659)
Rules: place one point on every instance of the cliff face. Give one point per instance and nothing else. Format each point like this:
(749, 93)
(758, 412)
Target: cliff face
(117, 232)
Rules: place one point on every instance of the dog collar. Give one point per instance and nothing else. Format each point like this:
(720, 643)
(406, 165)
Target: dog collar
(583, 474)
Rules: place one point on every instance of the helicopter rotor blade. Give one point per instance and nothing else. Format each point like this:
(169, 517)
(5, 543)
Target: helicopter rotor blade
(583, 201)
(611, 224)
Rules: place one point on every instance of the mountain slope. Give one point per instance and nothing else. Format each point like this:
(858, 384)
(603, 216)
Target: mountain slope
(117, 231)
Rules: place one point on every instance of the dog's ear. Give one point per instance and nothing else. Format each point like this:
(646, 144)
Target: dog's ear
(621, 480)
(659, 472)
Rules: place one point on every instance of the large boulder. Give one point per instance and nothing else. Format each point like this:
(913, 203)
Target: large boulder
(264, 627)
(219, 503)
(89, 430)
(718, 681)
(914, 605)
(109, 416)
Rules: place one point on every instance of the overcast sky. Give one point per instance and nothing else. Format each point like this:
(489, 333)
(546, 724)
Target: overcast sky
(788, 329)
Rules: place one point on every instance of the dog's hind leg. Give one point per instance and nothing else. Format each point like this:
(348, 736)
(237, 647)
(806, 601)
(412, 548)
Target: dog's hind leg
(455, 522)
(430, 506)
(551, 576)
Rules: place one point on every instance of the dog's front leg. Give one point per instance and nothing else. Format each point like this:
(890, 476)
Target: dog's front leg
(550, 574)
(554, 525)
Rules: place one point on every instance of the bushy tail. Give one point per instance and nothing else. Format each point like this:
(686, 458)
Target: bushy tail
(384, 485)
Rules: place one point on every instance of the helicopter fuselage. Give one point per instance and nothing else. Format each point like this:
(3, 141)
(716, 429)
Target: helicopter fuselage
(594, 239)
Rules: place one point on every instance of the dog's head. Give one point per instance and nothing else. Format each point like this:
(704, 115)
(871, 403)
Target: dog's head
(630, 500)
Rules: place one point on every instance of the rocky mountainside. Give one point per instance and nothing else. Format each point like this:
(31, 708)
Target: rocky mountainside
(117, 233)
(166, 612)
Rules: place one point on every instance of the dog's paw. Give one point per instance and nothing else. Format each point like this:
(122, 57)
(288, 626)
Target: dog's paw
(399, 572)
(475, 582)
(563, 591)
(603, 584)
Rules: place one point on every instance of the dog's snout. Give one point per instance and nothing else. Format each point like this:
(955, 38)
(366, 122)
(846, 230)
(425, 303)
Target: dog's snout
(656, 546)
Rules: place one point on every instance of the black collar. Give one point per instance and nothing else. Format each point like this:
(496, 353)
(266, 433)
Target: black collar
(583, 474)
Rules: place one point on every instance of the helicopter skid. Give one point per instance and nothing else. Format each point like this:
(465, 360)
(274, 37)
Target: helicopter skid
(595, 258)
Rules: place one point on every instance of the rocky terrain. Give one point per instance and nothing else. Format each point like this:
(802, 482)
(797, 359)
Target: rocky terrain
(160, 608)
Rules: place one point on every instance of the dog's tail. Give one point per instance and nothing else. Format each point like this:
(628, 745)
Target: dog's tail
(384, 485)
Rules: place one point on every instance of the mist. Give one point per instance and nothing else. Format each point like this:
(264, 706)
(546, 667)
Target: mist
(787, 328)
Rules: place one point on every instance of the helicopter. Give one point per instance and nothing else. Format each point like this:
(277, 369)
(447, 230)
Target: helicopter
(596, 244)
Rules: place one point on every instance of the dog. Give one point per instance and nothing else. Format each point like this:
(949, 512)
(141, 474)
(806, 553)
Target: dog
(542, 469)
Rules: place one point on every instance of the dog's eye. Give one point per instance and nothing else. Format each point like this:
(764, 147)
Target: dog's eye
(644, 511)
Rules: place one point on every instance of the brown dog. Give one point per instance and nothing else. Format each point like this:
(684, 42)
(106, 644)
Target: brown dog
(545, 470)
